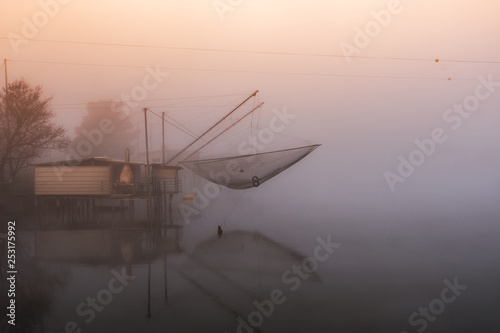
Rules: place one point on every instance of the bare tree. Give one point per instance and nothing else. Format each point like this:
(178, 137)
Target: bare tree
(119, 134)
(26, 129)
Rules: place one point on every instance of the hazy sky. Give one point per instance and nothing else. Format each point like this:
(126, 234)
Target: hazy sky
(366, 111)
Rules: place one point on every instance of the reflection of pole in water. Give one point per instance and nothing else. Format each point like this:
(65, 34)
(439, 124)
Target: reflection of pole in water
(128, 254)
(170, 198)
(452, 320)
(165, 274)
(214, 298)
(149, 289)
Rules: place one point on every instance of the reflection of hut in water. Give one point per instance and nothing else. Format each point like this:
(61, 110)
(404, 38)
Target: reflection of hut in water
(119, 246)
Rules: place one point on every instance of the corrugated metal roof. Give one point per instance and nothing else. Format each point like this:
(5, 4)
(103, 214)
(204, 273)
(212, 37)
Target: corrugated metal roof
(88, 159)
(167, 167)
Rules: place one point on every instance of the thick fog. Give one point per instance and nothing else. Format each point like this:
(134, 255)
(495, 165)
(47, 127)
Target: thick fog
(365, 111)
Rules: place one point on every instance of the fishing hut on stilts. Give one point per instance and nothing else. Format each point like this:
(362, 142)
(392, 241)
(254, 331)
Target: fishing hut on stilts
(76, 192)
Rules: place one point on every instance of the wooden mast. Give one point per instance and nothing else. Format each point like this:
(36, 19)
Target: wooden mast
(211, 128)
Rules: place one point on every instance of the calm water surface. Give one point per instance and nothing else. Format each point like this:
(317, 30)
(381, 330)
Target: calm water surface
(382, 275)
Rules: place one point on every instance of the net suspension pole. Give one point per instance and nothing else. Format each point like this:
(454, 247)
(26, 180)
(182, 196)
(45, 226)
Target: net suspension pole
(5, 64)
(163, 136)
(250, 112)
(147, 148)
(213, 126)
(146, 135)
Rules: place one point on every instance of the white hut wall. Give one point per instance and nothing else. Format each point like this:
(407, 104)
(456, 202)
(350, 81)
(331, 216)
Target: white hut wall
(74, 180)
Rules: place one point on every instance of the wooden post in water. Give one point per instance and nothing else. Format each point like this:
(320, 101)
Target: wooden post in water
(163, 137)
(147, 152)
(170, 197)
